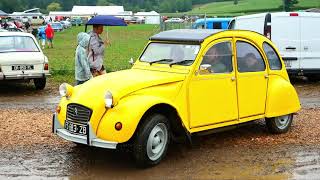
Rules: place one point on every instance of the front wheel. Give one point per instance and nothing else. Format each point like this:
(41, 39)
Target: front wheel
(152, 140)
(280, 124)
(40, 83)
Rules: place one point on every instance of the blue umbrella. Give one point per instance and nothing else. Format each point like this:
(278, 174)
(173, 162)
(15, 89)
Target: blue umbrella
(106, 21)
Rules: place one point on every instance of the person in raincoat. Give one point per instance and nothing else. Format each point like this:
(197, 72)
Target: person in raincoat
(49, 34)
(42, 36)
(82, 67)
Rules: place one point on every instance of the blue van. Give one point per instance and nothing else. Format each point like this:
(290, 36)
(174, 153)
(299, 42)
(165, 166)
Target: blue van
(212, 23)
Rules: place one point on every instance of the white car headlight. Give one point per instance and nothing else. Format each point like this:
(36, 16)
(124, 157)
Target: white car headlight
(108, 99)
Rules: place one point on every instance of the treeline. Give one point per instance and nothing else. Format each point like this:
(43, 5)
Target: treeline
(10, 6)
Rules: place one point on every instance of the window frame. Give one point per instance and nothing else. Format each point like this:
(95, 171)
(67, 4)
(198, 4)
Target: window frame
(213, 43)
(254, 46)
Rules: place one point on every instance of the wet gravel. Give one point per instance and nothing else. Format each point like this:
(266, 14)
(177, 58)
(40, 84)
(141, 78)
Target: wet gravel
(28, 149)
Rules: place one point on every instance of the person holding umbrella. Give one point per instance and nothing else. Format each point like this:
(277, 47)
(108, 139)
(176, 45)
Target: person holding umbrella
(96, 44)
(96, 50)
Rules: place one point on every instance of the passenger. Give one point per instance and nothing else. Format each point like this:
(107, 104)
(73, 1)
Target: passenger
(251, 64)
(216, 57)
(82, 67)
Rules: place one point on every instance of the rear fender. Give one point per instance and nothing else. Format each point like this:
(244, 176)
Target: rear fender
(282, 98)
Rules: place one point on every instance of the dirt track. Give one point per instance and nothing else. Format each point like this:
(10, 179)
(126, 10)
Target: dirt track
(29, 150)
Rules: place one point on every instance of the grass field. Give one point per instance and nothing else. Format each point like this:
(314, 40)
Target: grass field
(247, 7)
(126, 42)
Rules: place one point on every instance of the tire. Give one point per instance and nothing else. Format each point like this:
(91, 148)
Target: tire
(280, 124)
(313, 78)
(40, 83)
(152, 141)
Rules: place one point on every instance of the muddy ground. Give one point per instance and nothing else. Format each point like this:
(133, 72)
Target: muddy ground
(28, 150)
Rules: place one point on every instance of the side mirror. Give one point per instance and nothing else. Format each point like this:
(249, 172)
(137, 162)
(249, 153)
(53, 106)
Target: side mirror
(131, 61)
(204, 69)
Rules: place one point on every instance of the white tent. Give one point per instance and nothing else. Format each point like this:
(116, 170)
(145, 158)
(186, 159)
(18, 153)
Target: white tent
(151, 17)
(97, 10)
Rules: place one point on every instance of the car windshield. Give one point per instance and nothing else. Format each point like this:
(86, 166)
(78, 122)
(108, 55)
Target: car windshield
(170, 53)
(17, 44)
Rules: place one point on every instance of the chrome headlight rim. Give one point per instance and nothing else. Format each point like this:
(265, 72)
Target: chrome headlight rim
(63, 90)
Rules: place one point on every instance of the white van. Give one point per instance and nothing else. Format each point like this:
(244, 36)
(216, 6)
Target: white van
(296, 34)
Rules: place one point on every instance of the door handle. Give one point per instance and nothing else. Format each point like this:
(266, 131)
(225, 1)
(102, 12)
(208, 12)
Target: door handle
(266, 76)
(291, 48)
(233, 78)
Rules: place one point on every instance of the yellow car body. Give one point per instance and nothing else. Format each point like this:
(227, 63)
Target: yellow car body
(195, 101)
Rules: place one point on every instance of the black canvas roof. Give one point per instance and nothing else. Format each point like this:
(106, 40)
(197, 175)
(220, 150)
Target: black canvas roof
(185, 35)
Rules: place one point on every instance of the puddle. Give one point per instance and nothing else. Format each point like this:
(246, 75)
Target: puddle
(74, 162)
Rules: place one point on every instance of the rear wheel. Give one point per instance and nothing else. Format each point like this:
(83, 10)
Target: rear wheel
(152, 140)
(313, 78)
(280, 124)
(40, 83)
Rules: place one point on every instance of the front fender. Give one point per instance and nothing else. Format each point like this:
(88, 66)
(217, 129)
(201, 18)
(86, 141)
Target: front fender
(129, 112)
(282, 98)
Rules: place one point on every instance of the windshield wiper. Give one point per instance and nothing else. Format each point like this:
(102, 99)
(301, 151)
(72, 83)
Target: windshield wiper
(161, 60)
(179, 62)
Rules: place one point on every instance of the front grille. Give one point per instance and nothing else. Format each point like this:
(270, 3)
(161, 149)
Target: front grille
(78, 113)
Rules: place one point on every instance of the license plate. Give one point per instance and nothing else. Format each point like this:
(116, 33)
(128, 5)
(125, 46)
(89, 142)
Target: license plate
(76, 128)
(22, 67)
(288, 63)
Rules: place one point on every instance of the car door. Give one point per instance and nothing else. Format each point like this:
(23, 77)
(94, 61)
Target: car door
(285, 33)
(310, 42)
(212, 91)
(252, 80)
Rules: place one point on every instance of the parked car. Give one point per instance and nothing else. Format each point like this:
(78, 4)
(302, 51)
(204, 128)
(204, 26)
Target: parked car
(295, 33)
(177, 88)
(174, 20)
(57, 26)
(212, 23)
(21, 58)
(76, 22)
(66, 24)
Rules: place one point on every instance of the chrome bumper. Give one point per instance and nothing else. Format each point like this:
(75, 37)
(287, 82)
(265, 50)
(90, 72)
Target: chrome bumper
(22, 76)
(90, 139)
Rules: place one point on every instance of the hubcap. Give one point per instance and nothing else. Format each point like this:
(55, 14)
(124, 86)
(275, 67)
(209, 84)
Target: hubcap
(157, 141)
(282, 121)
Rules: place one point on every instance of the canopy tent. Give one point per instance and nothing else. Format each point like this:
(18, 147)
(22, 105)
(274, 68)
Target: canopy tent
(3, 13)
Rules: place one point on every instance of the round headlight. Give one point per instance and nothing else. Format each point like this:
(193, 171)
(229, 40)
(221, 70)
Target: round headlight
(108, 99)
(63, 90)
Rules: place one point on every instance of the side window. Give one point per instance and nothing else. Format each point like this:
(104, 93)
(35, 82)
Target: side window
(249, 58)
(273, 58)
(217, 25)
(218, 59)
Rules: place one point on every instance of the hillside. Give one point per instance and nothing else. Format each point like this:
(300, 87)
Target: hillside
(247, 7)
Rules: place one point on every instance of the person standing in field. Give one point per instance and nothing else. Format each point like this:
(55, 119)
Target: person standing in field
(42, 36)
(96, 50)
(82, 67)
(49, 34)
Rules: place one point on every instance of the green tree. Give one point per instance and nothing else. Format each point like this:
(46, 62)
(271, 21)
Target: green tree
(54, 7)
(102, 3)
(289, 4)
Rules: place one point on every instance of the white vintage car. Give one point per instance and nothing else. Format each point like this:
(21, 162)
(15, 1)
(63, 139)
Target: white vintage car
(21, 58)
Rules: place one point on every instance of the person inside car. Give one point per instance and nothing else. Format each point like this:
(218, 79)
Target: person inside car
(217, 56)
